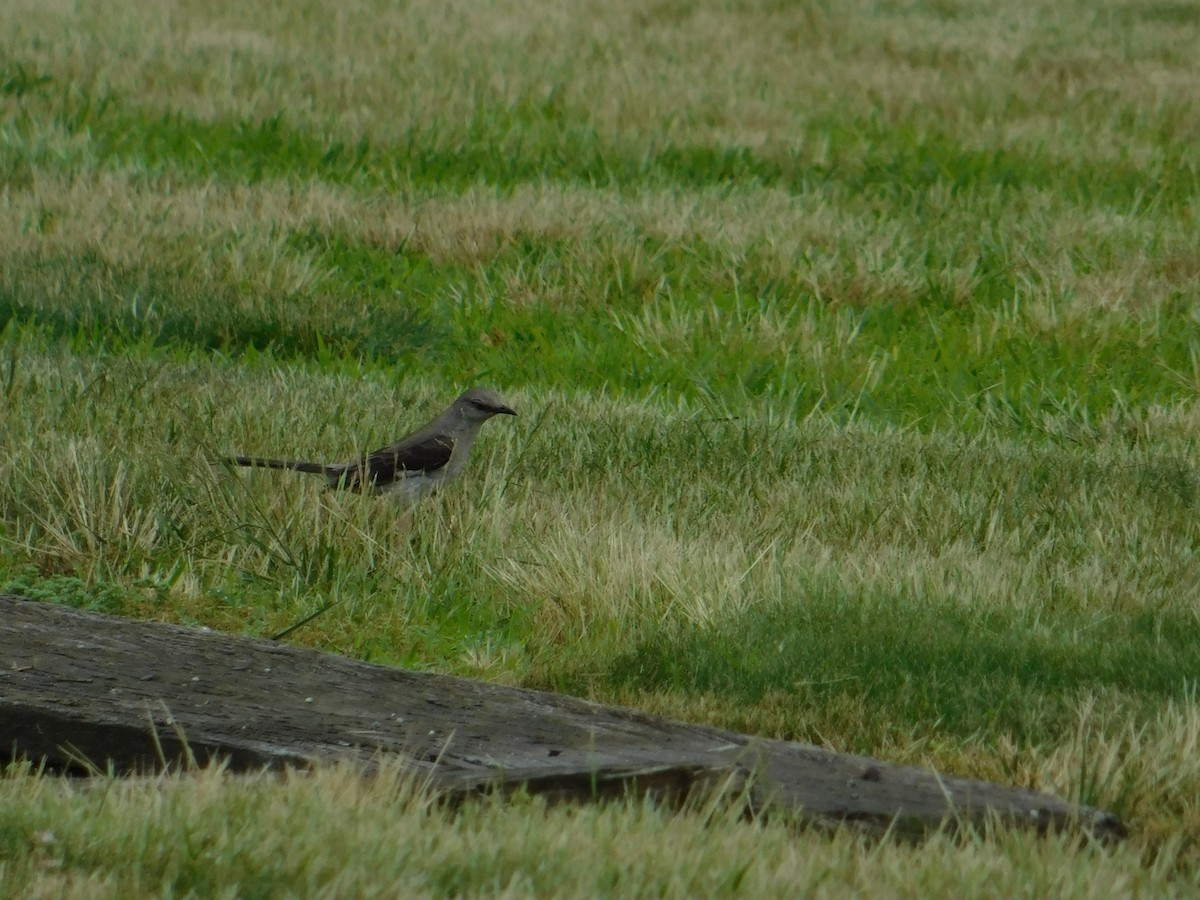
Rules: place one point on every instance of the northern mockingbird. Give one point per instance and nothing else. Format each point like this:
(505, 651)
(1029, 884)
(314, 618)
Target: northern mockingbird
(415, 465)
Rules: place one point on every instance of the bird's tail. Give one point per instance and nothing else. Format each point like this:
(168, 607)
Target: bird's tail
(329, 471)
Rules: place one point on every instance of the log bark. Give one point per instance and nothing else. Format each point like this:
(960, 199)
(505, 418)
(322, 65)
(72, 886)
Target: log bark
(83, 691)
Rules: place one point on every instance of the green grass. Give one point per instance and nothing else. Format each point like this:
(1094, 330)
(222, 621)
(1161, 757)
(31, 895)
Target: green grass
(262, 837)
(962, 673)
(857, 352)
(928, 361)
(532, 139)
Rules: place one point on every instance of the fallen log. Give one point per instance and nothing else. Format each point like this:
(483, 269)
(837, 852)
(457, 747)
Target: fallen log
(83, 691)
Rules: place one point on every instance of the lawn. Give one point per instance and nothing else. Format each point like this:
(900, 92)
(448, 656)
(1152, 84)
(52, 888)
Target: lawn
(857, 351)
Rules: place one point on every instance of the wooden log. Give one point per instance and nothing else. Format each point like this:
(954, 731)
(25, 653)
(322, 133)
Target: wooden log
(80, 689)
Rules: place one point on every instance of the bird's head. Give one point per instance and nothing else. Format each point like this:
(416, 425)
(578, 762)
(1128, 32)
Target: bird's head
(480, 404)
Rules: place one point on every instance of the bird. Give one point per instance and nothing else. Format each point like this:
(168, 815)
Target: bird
(414, 466)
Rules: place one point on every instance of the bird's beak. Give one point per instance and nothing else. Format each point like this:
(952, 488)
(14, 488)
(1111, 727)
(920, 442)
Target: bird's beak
(506, 411)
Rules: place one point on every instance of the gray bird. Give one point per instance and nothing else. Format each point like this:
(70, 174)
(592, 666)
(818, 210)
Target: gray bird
(415, 465)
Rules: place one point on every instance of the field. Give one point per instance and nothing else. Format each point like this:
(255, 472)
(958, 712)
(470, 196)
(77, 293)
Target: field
(857, 351)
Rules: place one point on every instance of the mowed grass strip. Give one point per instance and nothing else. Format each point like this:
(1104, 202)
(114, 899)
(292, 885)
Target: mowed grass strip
(624, 310)
(506, 144)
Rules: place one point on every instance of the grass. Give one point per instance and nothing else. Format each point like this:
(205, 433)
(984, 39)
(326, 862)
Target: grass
(857, 354)
(259, 837)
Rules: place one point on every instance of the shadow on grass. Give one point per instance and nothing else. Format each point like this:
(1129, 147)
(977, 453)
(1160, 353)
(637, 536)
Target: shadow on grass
(86, 297)
(920, 663)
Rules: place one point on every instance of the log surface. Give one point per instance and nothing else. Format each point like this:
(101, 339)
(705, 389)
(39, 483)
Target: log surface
(83, 688)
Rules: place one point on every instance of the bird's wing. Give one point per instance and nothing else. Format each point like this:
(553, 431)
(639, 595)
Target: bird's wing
(401, 460)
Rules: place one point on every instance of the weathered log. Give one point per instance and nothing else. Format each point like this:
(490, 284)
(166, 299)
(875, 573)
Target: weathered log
(80, 689)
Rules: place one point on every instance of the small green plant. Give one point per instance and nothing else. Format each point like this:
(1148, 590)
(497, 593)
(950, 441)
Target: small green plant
(70, 591)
